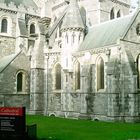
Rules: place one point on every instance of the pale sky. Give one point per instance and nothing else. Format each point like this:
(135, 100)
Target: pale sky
(134, 2)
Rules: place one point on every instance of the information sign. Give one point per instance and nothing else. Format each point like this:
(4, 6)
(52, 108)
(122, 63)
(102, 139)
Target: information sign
(12, 120)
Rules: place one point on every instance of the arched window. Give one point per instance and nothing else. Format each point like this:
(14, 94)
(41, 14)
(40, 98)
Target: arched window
(19, 82)
(77, 76)
(4, 24)
(32, 29)
(138, 71)
(100, 74)
(118, 14)
(112, 16)
(58, 76)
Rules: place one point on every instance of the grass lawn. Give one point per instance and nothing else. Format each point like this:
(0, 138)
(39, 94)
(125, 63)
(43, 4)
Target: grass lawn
(49, 128)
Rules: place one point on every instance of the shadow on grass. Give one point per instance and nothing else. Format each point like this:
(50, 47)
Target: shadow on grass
(47, 138)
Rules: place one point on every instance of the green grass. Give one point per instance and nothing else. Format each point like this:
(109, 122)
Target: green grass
(65, 129)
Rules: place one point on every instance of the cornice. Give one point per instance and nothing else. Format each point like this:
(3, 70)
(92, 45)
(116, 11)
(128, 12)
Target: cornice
(8, 10)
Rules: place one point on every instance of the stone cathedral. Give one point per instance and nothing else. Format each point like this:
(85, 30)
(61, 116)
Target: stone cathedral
(71, 58)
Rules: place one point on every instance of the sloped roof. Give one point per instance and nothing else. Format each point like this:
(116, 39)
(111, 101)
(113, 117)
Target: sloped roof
(26, 3)
(22, 27)
(5, 61)
(56, 24)
(106, 33)
(73, 18)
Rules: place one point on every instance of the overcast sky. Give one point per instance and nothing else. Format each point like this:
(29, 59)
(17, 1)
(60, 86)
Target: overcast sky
(134, 2)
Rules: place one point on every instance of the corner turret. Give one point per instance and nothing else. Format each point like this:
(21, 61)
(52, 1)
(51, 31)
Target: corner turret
(73, 18)
(73, 32)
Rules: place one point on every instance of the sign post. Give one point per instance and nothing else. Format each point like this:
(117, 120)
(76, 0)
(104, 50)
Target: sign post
(12, 122)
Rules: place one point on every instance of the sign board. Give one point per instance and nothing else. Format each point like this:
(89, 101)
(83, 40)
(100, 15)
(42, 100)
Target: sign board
(12, 120)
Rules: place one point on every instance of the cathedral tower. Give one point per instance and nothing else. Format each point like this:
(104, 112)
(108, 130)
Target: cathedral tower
(73, 32)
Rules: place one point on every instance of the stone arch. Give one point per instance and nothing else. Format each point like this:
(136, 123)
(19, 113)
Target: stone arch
(52, 115)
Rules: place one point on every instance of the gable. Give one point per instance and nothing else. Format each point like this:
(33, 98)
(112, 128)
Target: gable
(16, 61)
(132, 34)
(5, 61)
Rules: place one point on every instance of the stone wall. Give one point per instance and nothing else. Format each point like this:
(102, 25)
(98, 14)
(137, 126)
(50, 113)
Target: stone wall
(7, 46)
(8, 92)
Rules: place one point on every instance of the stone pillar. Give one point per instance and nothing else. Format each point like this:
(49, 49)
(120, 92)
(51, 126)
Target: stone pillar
(85, 88)
(37, 91)
(37, 75)
(114, 107)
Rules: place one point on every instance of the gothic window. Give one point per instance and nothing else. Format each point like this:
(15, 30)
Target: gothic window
(138, 71)
(58, 76)
(112, 16)
(20, 82)
(4, 24)
(73, 37)
(77, 76)
(118, 14)
(32, 29)
(100, 74)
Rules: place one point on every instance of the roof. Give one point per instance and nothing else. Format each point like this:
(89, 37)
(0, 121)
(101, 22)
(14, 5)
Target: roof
(22, 27)
(5, 61)
(26, 3)
(73, 18)
(56, 24)
(106, 33)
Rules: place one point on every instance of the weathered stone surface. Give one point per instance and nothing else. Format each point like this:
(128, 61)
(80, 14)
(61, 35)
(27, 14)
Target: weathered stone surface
(104, 84)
